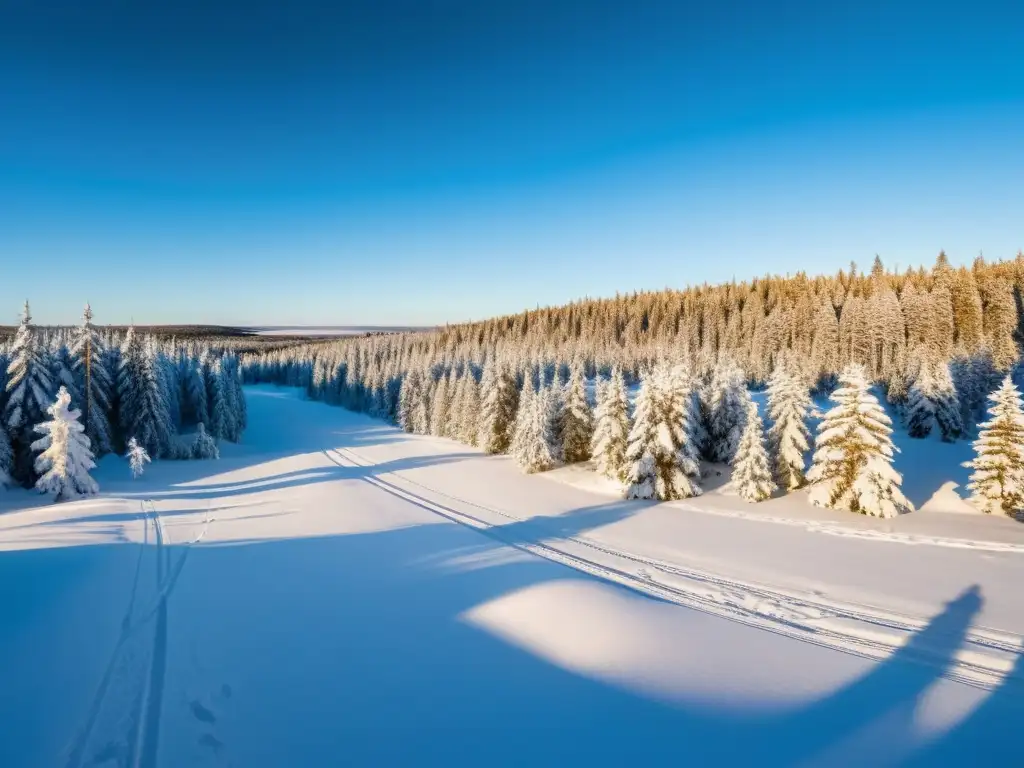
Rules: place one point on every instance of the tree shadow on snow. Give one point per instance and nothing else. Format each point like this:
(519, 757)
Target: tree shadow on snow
(350, 650)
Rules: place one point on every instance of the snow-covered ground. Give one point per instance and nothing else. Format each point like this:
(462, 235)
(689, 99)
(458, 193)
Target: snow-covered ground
(335, 592)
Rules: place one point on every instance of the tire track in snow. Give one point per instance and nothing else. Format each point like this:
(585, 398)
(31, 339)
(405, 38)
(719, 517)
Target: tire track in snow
(983, 660)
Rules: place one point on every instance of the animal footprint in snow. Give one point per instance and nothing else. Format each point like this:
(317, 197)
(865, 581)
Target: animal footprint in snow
(202, 713)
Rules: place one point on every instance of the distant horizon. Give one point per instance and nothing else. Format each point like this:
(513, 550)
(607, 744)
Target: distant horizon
(863, 267)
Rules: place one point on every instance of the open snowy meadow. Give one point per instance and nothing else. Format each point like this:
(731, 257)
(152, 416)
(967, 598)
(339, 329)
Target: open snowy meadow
(335, 591)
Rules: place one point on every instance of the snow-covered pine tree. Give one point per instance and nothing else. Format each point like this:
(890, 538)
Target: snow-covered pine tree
(64, 457)
(89, 363)
(657, 462)
(439, 408)
(137, 457)
(552, 406)
(6, 459)
(728, 411)
(933, 399)
(523, 426)
(611, 433)
(144, 410)
(499, 399)
(62, 372)
(997, 483)
(421, 405)
(577, 420)
(789, 402)
(407, 398)
(751, 476)
(195, 399)
(29, 393)
(470, 413)
(204, 446)
(919, 413)
(852, 464)
(947, 404)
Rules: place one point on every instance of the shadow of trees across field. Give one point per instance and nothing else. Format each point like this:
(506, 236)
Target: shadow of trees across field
(352, 650)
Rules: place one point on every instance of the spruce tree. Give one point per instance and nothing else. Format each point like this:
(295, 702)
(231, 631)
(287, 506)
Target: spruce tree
(137, 457)
(64, 457)
(203, 445)
(29, 393)
(439, 411)
(920, 409)
(89, 363)
(751, 476)
(789, 403)
(852, 465)
(144, 410)
(6, 459)
(499, 399)
(659, 452)
(997, 482)
(728, 411)
(611, 433)
(523, 427)
(578, 420)
(407, 399)
(947, 405)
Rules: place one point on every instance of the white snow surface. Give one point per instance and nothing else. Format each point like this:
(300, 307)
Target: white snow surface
(336, 592)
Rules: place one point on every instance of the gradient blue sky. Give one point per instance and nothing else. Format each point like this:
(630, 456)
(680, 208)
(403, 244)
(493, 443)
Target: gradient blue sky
(420, 162)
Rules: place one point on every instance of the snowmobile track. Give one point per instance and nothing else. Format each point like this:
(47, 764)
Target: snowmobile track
(984, 660)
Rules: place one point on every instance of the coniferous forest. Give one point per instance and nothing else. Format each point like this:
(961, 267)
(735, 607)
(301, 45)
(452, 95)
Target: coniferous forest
(71, 395)
(649, 384)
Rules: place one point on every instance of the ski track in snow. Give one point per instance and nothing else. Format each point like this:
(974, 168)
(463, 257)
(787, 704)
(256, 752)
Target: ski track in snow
(984, 660)
(838, 529)
(135, 742)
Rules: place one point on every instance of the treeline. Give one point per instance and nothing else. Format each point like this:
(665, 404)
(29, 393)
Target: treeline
(550, 386)
(895, 325)
(127, 386)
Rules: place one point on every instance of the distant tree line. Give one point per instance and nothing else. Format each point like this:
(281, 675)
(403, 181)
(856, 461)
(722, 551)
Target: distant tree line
(547, 385)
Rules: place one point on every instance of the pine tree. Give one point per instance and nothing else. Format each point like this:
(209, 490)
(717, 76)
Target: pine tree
(611, 433)
(997, 483)
(29, 393)
(789, 403)
(144, 410)
(440, 408)
(538, 442)
(933, 399)
(728, 411)
(6, 459)
(947, 405)
(407, 400)
(90, 367)
(137, 457)
(469, 430)
(658, 455)
(578, 420)
(920, 409)
(195, 398)
(65, 458)
(499, 399)
(751, 476)
(852, 465)
(524, 425)
(204, 446)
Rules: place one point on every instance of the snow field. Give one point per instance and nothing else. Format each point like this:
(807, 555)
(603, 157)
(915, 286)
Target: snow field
(353, 592)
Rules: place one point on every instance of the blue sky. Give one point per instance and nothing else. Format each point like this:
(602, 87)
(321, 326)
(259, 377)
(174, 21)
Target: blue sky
(422, 162)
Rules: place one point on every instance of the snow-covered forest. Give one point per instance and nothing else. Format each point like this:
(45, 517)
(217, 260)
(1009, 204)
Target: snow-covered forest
(651, 384)
(90, 391)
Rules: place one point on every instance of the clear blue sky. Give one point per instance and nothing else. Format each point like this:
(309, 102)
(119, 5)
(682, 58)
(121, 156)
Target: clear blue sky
(420, 162)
